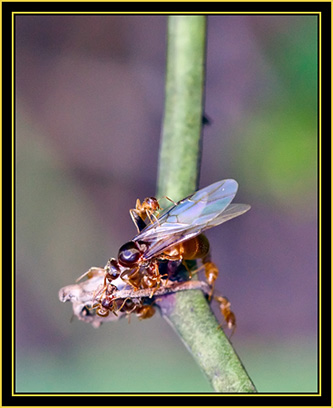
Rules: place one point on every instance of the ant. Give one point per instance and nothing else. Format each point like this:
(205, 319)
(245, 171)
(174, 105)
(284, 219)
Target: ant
(110, 303)
(175, 236)
(147, 208)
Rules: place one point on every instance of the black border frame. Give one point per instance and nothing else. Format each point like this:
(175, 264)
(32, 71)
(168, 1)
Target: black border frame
(154, 399)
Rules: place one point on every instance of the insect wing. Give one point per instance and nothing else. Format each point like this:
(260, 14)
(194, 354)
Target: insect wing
(197, 209)
(216, 199)
(233, 210)
(189, 217)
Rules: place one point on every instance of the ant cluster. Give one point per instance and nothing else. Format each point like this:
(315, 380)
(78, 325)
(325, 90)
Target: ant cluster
(156, 260)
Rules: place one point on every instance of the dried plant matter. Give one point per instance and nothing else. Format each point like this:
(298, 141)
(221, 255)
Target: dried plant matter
(84, 296)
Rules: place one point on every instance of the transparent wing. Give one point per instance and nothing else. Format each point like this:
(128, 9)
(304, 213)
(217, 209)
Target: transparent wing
(204, 209)
(233, 210)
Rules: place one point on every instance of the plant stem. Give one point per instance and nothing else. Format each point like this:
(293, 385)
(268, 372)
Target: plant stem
(189, 312)
(180, 148)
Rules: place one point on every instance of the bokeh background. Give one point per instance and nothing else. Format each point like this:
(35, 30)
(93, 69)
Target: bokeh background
(89, 109)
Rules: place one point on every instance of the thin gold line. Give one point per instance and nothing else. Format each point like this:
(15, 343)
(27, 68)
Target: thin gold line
(319, 209)
(1, 221)
(170, 1)
(319, 212)
(168, 12)
(13, 183)
(167, 395)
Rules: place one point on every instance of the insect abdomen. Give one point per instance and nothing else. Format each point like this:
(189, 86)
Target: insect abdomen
(194, 248)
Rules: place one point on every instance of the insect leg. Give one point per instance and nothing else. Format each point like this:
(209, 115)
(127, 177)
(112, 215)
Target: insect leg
(167, 198)
(137, 220)
(228, 314)
(133, 277)
(211, 272)
(151, 216)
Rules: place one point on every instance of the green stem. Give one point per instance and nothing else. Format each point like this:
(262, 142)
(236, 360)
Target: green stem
(180, 148)
(189, 312)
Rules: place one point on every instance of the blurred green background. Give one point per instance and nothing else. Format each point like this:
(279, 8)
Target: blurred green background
(89, 108)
